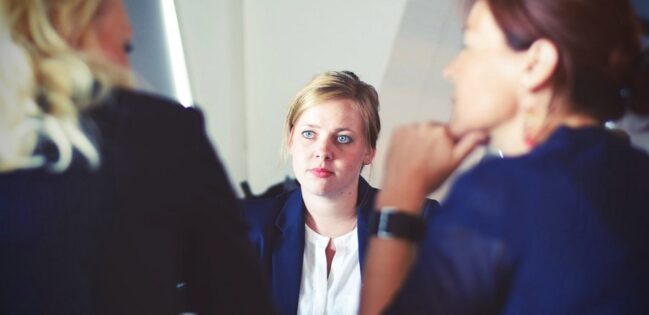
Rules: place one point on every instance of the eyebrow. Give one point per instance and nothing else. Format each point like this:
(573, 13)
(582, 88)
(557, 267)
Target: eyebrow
(318, 127)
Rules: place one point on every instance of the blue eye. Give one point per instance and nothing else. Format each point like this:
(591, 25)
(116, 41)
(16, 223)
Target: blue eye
(308, 134)
(344, 139)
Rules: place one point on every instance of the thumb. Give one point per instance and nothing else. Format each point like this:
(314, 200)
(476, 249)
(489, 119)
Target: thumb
(466, 144)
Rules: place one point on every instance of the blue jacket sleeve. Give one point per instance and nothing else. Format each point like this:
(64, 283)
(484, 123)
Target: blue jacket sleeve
(462, 257)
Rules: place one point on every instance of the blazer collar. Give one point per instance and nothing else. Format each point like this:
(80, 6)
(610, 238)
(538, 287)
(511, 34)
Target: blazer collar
(288, 251)
(292, 214)
(366, 195)
(289, 246)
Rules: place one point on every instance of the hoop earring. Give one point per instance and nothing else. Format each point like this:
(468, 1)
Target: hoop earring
(532, 126)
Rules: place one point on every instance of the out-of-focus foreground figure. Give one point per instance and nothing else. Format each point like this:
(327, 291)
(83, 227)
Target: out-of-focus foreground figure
(111, 201)
(561, 229)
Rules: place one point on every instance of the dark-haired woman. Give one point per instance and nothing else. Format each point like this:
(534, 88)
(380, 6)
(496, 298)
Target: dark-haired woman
(562, 229)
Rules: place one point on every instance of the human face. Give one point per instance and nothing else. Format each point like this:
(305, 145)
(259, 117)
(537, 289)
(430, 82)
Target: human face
(328, 148)
(484, 76)
(110, 33)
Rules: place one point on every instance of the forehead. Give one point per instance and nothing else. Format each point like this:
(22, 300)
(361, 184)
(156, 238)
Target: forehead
(335, 113)
(481, 25)
(476, 13)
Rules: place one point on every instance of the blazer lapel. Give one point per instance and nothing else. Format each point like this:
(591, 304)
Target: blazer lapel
(365, 208)
(288, 251)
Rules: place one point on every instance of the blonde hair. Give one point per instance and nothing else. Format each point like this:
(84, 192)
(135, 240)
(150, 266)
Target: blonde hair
(17, 131)
(64, 80)
(336, 85)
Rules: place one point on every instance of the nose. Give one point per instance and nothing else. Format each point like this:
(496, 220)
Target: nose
(324, 150)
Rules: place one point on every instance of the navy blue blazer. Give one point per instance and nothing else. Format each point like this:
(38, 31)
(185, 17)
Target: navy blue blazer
(276, 228)
(562, 230)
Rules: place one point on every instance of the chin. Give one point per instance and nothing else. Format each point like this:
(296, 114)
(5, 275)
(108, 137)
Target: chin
(459, 130)
(456, 129)
(318, 189)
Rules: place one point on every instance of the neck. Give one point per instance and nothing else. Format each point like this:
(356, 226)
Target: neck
(331, 216)
(508, 138)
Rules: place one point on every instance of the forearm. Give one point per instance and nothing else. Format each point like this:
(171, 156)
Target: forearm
(392, 259)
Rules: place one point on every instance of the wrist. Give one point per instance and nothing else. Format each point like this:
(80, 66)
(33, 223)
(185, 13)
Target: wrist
(392, 223)
(403, 200)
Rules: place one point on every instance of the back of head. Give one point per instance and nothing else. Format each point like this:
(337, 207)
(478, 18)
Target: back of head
(66, 79)
(337, 85)
(599, 48)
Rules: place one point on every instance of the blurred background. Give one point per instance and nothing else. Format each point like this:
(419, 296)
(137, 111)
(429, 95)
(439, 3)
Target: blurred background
(242, 61)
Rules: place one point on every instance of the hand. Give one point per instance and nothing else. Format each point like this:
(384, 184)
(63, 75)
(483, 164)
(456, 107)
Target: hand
(420, 158)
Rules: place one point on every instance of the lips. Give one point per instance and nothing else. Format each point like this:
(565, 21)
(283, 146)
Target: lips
(321, 172)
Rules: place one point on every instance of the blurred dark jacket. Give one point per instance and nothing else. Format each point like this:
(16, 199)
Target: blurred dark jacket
(561, 230)
(156, 230)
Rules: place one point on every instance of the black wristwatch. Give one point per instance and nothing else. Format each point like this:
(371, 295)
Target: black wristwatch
(389, 222)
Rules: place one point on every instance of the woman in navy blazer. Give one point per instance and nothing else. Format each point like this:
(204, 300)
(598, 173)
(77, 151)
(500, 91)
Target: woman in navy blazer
(561, 229)
(331, 132)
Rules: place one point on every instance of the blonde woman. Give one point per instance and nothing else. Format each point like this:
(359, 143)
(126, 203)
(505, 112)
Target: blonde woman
(311, 241)
(111, 201)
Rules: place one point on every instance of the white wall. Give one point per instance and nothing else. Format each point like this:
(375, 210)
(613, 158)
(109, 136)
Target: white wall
(413, 89)
(287, 42)
(248, 58)
(212, 34)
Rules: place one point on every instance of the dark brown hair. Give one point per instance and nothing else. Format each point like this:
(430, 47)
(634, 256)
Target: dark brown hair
(599, 43)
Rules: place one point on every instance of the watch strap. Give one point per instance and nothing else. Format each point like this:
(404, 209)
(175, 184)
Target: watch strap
(390, 222)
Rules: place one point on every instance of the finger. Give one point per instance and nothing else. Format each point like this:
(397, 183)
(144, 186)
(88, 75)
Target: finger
(433, 123)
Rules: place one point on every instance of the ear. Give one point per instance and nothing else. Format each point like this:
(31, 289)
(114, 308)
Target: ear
(369, 156)
(541, 61)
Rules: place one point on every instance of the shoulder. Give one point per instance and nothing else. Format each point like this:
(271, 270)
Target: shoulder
(368, 199)
(262, 212)
(155, 109)
(478, 197)
(493, 174)
(145, 114)
(147, 101)
(151, 126)
(430, 208)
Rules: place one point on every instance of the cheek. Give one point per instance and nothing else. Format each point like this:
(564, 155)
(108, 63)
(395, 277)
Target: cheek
(298, 162)
(295, 154)
(300, 154)
(112, 39)
(114, 49)
(354, 161)
(484, 105)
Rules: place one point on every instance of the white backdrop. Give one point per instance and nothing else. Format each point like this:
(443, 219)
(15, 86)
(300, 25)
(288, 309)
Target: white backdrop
(246, 59)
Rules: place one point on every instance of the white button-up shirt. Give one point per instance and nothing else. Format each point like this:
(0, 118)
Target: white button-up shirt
(339, 293)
